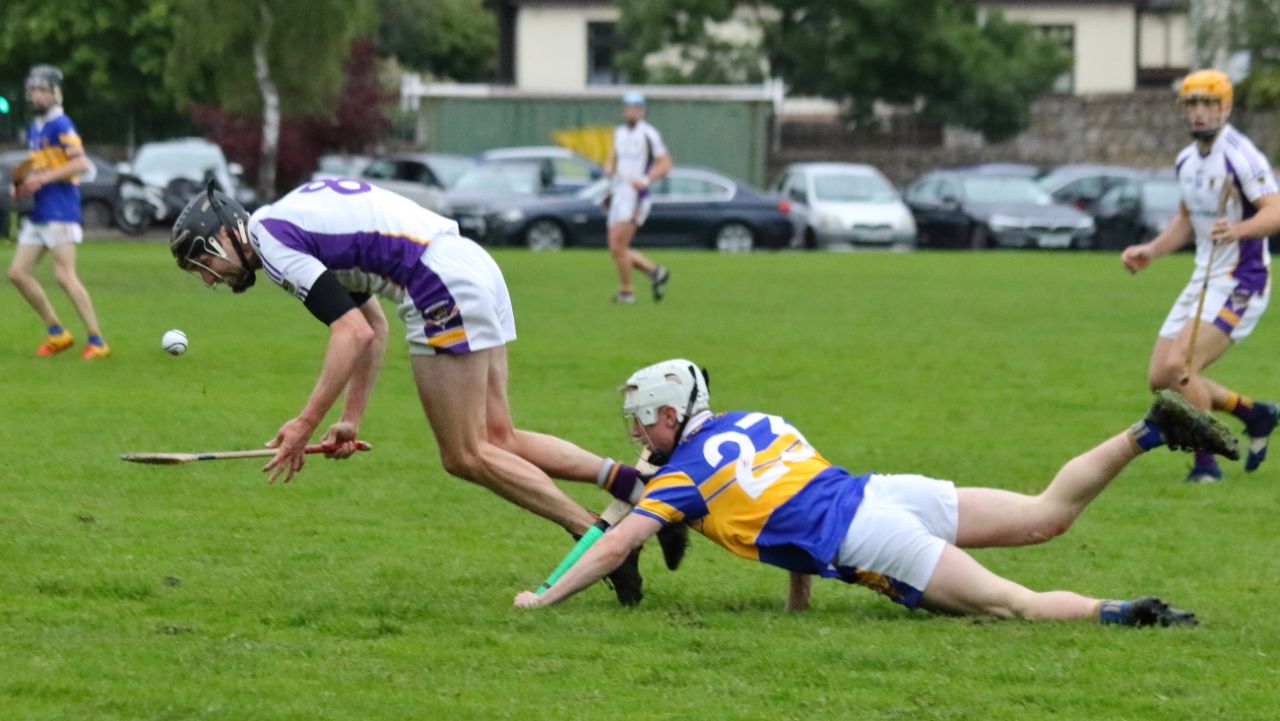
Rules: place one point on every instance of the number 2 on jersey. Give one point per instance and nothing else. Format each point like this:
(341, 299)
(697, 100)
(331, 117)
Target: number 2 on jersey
(749, 459)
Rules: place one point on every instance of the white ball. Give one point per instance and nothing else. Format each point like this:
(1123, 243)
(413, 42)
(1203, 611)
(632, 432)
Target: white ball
(174, 342)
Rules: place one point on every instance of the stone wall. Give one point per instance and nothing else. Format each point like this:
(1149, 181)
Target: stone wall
(1143, 129)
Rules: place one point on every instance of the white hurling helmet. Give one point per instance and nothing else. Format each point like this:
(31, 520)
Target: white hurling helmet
(678, 383)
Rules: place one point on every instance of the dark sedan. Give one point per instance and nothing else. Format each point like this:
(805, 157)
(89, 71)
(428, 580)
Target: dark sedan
(692, 207)
(1136, 211)
(973, 210)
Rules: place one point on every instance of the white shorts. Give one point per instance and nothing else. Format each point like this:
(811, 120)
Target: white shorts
(49, 234)
(468, 309)
(626, 205)
(1230, 306)
(899, 533)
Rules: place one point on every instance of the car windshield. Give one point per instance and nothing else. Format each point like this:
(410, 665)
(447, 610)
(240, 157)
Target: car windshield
(449, 170)
(1161, 195)
(852, 187)
(176, 161)
(500, 178)
(1004, 190)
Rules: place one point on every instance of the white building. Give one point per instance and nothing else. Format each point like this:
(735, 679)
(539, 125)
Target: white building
(550, 45)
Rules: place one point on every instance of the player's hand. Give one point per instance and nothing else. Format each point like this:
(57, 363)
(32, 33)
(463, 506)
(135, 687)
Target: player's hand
(340, 440)
(1136, 257)
(528, 599)
(29, 186)
(291, 441)
(1223, 232)
(640, 183)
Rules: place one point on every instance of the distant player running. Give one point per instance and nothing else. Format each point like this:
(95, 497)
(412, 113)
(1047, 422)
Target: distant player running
(753, 484)
(1239, 276)
(335, 243)
(639, 158)
(57, 158)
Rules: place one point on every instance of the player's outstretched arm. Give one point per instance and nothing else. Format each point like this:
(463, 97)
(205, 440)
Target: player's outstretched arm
(798, 586)
(360, 386)
(349, 339)
(1177, 234)
(601, 559)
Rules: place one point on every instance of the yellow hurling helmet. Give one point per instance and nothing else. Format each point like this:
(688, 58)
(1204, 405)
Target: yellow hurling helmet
(1207, 83)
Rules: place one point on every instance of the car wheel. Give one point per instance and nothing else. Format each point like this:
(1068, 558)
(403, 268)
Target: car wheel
(734, 237)
(95, 215)
(134, 216)
(544, 234)
(979, 238)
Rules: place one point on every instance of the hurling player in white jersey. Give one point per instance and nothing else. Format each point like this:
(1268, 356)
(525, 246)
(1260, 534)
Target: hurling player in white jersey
(1231, 251)
(336, 243)
(639, 158)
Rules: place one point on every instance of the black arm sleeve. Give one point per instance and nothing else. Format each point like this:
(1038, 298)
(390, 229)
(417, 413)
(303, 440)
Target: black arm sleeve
(328, 300)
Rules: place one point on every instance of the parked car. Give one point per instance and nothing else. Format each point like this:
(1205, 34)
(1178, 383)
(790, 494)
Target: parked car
(1082, 185)
(692, 207)
(181, 167)
(1136, 210)
(1022, 170)
(975, 210)
(416, 176)
(489, 186)
(566, 171)
(845, 203)
(98, 196)
(340, 165)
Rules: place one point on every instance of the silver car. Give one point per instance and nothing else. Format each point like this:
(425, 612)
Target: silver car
(846, 204)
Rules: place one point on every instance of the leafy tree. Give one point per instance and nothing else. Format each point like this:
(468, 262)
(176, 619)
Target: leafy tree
(1255, 27)
(263, 58)
(112, 52)
(932, 54)
(455, 39)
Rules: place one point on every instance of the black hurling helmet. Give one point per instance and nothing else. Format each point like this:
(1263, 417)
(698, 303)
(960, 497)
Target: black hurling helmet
(196, 232)
(45, 76)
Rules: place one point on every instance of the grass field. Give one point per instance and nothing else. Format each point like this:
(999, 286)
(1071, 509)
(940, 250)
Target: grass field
(380, 588)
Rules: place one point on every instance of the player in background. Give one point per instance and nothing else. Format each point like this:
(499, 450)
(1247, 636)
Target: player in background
(1239, 279)
(334, 244)
(752, 483)
(57, 157)
(638, 159)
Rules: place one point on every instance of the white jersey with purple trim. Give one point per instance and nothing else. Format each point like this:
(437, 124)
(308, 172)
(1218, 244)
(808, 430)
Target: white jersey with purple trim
(1233, 158)
(371, 238)
(635, 149)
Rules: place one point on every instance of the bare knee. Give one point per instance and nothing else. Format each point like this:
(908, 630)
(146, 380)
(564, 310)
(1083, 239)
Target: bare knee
(1050, 521)
(1167, 373)
(65, 276)
(466, 464)
(16, 275)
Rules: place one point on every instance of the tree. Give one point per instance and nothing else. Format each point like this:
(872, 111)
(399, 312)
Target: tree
(940, 56)
(271, 58)
(112, 52)
(455, 39)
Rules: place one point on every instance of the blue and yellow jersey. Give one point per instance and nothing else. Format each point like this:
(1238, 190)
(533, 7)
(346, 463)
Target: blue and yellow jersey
(52, 143)
(753, 484)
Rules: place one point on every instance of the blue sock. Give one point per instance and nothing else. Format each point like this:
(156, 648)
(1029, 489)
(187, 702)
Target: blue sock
(55, 329)
(1147, 435)
(95, 340)
(1205, 460)
(1112, 612)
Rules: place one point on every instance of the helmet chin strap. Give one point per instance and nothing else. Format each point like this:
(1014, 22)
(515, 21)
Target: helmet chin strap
(238, 231)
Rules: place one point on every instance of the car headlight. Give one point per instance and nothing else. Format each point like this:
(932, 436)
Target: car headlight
(829, 222)
(1085, 223)
(1005, 222)
(512, 215)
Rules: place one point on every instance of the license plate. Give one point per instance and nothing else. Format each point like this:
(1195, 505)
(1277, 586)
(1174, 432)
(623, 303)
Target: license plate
(1055, 240)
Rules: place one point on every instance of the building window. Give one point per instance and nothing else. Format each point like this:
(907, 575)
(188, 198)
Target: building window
(1065, 37)
(603, 44)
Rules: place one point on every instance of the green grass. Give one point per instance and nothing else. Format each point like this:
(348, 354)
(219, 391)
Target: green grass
(380, 588)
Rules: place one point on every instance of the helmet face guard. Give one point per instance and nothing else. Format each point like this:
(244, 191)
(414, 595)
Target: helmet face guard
(1209, 88)
(195, 233)
(46, 77)
(677, 383)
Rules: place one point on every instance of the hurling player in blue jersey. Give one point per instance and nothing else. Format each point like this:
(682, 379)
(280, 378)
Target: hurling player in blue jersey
(336, 243)
(57, 158)
(752, 483)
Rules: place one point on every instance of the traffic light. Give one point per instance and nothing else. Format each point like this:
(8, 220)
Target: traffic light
(4, 105)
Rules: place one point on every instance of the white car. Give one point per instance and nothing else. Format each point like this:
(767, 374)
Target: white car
(844, 205)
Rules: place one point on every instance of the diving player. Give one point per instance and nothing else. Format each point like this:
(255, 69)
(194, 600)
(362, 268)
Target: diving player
(335, 243)
(57, 158)
(1240, 276)
(753, 484)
